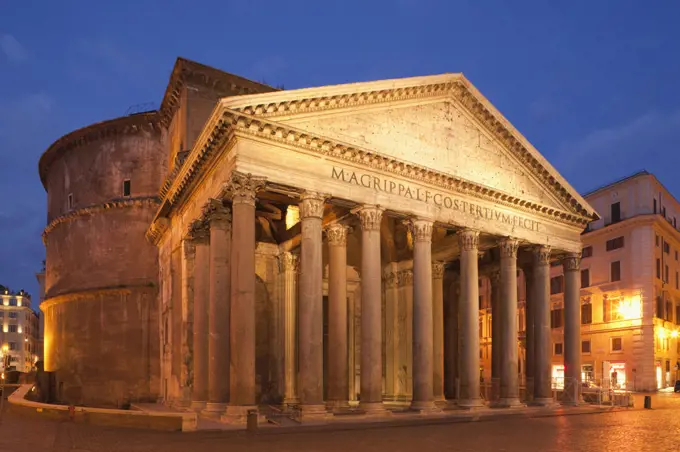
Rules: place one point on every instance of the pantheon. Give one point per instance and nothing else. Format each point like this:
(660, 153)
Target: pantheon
(317, 248)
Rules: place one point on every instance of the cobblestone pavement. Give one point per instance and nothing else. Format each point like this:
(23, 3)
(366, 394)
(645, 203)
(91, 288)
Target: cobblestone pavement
(634, 430)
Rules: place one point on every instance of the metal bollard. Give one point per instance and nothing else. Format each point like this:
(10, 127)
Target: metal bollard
(251, 424)
(648, 402)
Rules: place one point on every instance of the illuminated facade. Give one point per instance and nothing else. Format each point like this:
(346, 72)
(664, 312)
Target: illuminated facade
(630, 297)
(20, 330)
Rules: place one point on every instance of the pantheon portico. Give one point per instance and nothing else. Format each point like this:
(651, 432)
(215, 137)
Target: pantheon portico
(322, 248)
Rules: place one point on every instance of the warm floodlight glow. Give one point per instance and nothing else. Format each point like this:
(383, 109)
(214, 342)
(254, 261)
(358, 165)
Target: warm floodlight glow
(629, 308)
(674, 333)
(292, 216)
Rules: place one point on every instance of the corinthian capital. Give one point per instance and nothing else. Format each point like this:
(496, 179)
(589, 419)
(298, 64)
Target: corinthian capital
(198, 231)
(336, 234)
(468, 239)
(541, 255)
(421, 230)
(312, 204)
(437, 270)
(571, 262)
(216, 213)
(508, 247)
(370, 217)
(244, 187)
(288, 262)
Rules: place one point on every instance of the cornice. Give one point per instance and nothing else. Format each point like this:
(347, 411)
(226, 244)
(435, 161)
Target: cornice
(147, 201)
(125, 125)
(94, 292)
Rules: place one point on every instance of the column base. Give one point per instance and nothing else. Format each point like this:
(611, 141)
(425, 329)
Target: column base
(543, 402)
(197, 405)
(238, 414)
(508, 402)
(337, 406)
(313, 412)
(425, 407)
(374, 408)
(213, 410)
(470, 404)
(291, 401)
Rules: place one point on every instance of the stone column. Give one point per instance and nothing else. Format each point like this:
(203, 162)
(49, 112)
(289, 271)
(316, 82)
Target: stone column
(390, 277)
(468, 316)
(310, 344)
(186, 332)
(438, 330)
(542, 335)
(572, 329)
(371, 321)
(200, 235)
(288, 267)
(423, 348)
(219, 219)
(529, 337)
(496, 333)
(509, 372)
(243, 189)
(338, 353)
(451, 330)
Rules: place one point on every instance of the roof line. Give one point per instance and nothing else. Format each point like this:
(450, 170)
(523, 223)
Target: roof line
(618, 181)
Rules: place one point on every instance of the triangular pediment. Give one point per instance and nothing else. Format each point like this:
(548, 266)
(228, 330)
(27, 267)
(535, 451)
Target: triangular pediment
(438, 122)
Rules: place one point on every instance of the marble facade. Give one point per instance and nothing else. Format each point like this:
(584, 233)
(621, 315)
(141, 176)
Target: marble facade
(332, 241)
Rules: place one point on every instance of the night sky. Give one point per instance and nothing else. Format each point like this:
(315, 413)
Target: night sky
(592, 84)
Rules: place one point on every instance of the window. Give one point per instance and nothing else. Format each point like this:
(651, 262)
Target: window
(614, 244)
(659, 307)
(656, 238)
(12, 345)
(2, 313)
(666, 247)
(587, 252)
(126, 187)
(12, 315)
(585, 347)
(676, 280)
(616, 212)
(669, 310)
(70, 201)
(615, 271)
(558, 348)
(617, 344)
(666, 274)
(675, 223)
(677, 316)
(654, 205)
(585, 278)
(556, 284)
(658, 268)
(556, 318)
(12, 328)
(676, 255)
(663, 211)
(586, 314)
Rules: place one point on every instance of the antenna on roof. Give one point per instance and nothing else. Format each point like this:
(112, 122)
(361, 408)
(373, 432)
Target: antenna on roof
(141, 108)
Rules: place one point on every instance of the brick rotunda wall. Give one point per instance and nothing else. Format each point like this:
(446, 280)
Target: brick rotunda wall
(101, 275)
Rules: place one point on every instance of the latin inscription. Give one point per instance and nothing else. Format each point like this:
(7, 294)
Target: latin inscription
(432, 197)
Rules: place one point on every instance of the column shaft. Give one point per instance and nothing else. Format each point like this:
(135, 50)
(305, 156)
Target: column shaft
(199, 394)
(288, 265)
(542, 334)
(311, 306)
(496, 333)
(338, 360)
(371, 319)
(438, 330)
(451, 336)
(423, 338)
(469, 320)
(572, 329)
(188, 263)
(509, 357)
(219, 292)
(529, 328)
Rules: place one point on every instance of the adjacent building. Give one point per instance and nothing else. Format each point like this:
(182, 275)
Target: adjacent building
(20, 335)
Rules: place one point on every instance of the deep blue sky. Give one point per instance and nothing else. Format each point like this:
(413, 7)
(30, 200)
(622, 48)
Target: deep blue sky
(592, 84)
